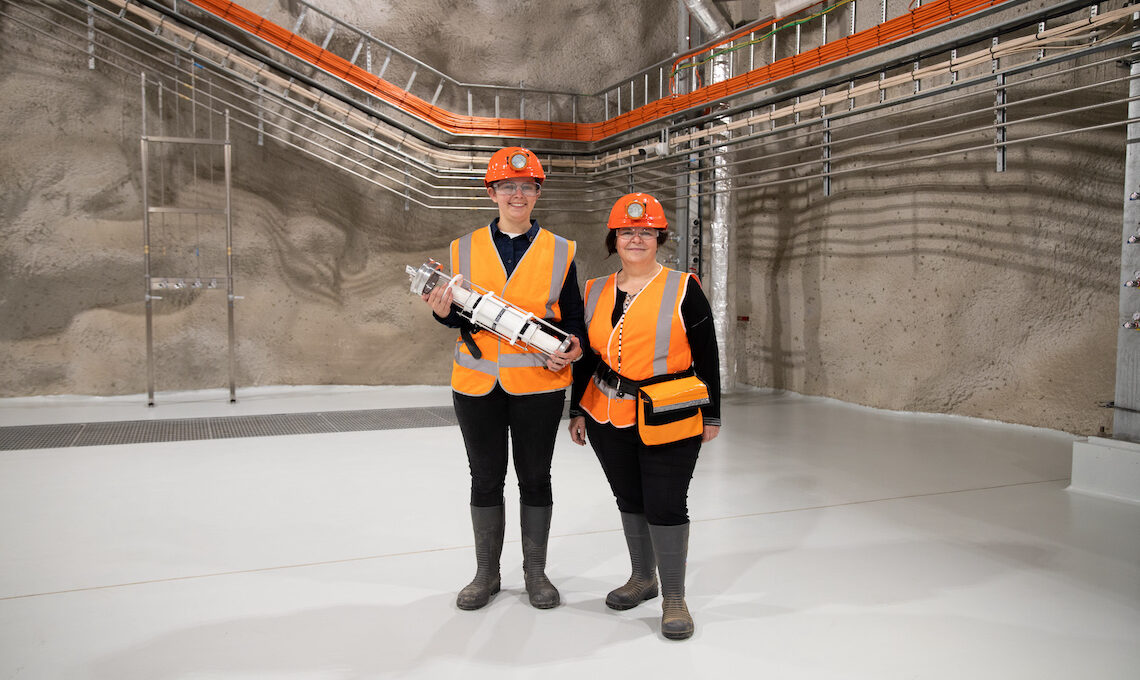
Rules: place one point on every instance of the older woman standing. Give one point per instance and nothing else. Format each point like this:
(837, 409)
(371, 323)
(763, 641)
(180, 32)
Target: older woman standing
(499, 389)
(647, 396)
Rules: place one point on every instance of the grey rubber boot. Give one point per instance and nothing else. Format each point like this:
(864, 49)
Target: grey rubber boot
(671, 545)
(535, 533)
(489, 525)
(642, 584)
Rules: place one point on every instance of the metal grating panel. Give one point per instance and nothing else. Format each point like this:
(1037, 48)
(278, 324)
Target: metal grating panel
(146, 431)
(142, 431)
(269, 426)
(38, 436)
(387, 419)
(444, 413)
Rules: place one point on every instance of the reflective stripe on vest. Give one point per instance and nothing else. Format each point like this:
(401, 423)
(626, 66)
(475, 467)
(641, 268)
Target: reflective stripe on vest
(652, 337)
(535, 286)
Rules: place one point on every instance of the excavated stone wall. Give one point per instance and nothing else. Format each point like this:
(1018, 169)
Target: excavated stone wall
(941, 285)
(935, 285)
(319, 254)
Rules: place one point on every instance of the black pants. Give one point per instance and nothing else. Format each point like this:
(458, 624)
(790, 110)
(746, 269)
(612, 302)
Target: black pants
(532, 420)
(653, 480)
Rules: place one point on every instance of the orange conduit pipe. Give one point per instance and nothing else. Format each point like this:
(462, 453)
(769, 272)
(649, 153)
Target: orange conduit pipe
(913, 22)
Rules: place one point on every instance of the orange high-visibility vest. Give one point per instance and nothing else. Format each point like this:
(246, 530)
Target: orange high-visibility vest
(652, 340)
(535, 286)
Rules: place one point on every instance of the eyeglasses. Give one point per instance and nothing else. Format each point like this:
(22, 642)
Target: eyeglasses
(628, 233)
(509, 188)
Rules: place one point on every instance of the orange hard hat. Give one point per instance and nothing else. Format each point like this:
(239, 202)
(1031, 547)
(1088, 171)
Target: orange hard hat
(511, 162)
(637, 210)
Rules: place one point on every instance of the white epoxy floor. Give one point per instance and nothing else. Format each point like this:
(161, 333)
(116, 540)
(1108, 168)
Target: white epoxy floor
(828, 541)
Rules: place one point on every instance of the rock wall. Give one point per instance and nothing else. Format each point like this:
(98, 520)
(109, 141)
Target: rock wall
(935, 286)
(941, 285)
(319, 255)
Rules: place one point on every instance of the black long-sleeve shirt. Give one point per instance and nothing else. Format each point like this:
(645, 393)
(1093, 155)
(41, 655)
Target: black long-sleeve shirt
(697, 316)
(511, 251)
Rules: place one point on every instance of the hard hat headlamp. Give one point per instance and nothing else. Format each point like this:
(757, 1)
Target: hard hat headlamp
(518, 161)
(635, 210)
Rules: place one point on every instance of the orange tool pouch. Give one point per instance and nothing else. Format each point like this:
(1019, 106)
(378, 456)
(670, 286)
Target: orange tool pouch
(669, 408)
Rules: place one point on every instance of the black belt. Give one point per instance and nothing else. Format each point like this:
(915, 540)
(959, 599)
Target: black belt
(615, 380)
(624, 386)
(465, 332)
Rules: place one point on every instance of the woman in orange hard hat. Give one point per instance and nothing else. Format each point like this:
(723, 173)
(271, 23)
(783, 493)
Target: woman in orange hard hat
(647, 394)
(501, 390)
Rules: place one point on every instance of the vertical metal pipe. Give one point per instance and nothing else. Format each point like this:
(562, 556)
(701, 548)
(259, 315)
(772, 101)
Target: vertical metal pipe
(696, 222)
(999, 113)
(688, 193)
(356, 50)
(722, 273)
(999, 121)
(90, 38)
(682, 26)
(143, 153)
(1126, 423)
(300, 19)
(228, 160)
(826, 152)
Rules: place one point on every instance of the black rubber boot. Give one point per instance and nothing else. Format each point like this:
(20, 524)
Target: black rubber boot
(489, 524)
(671, 545)
(535, 532)
(642, 584)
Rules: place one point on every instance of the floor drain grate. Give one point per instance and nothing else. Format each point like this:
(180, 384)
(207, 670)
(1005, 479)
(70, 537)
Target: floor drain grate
(187, 429)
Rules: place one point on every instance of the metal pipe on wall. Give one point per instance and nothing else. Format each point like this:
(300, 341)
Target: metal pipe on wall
(710, 18)
(719, 278)
(720, 269)
(1126, 422)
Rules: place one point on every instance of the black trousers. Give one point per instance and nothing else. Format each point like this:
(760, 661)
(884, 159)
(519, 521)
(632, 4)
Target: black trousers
(532, 422)
(653, 480)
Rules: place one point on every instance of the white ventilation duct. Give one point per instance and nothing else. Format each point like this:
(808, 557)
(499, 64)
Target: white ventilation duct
(714, 23)
(787, 7)
(709, 17)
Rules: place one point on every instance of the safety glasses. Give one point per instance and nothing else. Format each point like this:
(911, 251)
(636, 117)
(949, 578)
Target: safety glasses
(627, 233)
(509, 188)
